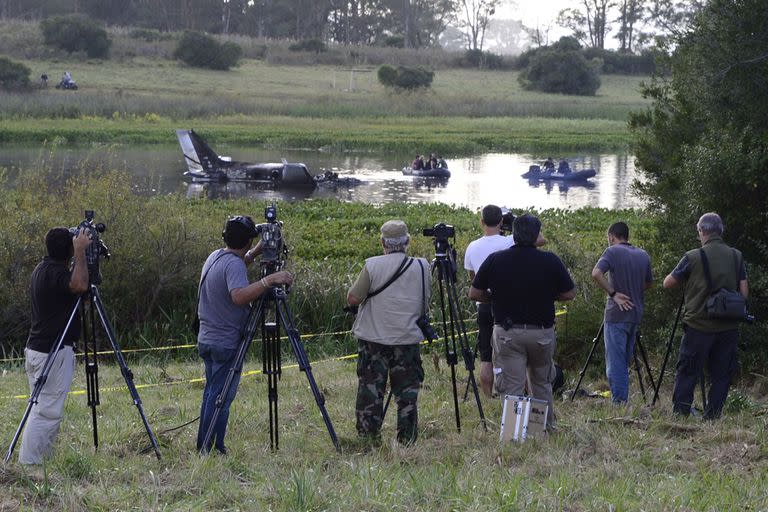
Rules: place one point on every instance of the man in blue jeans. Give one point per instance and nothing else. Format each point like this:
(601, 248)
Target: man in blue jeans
(629, 275)
(225, 294)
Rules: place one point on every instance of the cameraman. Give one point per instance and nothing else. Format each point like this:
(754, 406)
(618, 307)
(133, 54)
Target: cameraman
(707, 341)
(225, 294)
(476, 253)
(53, 290)
(392, 291)
(522, 284)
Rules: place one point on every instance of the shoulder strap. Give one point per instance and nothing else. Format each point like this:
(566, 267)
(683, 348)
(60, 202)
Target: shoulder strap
(705, 265)
(423, 293)
(400, 271)
(738, 266)
(200, 286)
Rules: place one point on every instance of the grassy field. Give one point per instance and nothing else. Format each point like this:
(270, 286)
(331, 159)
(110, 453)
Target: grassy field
(138, 100)
(601, 458)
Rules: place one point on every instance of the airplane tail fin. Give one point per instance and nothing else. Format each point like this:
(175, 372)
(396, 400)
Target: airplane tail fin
(197, 154)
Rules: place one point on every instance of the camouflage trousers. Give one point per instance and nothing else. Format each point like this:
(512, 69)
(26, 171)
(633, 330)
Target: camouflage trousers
(402, 364)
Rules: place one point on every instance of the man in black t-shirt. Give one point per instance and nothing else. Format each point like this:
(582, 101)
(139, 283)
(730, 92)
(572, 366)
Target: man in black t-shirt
(522, 284)
(53, 291)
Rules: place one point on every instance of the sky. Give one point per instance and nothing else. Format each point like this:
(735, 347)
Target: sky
(532, 12)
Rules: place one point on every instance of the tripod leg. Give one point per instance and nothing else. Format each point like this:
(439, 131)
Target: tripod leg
(469, 356)
(40, 381)
(252, 322)
(91, 368)
(589, 359)
(270, 339)
(127, 374)
(302, 359)
(644, 357)
(666, 354)
(449, 336)
(639, 375)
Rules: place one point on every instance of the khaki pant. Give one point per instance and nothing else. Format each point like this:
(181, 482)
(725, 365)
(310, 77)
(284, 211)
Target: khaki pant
(520, 352)
(44, 420)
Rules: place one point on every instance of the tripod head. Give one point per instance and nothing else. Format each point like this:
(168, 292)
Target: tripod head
(445, 254)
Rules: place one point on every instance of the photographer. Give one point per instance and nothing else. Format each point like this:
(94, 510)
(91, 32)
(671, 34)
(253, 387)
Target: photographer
(392, 291)
(225, 294)
(707, 341)
(53, 290)
(629, 269)
(522, 284)
(476, 253)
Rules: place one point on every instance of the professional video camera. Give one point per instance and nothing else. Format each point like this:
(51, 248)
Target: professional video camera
(273, 250)
(97, 249)
(443, 249)
(507, 219)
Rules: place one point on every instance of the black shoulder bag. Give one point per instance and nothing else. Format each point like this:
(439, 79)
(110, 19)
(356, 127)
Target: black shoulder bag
(423, 321)
(400, 271)
(724, 304)
(196, 320)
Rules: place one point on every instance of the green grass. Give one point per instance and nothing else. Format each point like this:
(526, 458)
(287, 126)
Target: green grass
(601, 458)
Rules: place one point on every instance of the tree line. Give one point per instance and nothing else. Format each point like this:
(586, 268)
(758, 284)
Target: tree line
(406, 23)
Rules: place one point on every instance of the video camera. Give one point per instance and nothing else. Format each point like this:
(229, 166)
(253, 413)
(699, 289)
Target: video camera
(507, 219)
(97, 249)
(273, 250)
(443, 250)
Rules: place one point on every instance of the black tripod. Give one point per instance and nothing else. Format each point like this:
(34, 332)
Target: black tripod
(454, 328)
(666, 359)
(268, 313)
(640, 348)
(90, 349)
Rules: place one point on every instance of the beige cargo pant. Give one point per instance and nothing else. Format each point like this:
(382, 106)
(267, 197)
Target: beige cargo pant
(44, 420)
(519, 353)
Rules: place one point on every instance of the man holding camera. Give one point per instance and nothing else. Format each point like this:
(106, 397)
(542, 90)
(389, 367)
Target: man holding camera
(54, 290)
(707, 341)
(476, 253)
(522, 284)
(225, 295)
(629, 269)
(392, 292)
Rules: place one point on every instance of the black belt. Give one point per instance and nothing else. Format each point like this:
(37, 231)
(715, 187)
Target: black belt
(508, 326)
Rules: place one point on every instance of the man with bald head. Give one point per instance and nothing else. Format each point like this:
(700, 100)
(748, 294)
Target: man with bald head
(707, 341)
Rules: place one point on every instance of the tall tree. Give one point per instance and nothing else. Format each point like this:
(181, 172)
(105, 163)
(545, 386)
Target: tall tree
(473, 18)
(630, 12)
(589, 22)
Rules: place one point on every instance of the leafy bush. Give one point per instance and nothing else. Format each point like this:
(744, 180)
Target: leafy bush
(623, 63)
(76, 34)
(309, 45)
(405, 78)
(203, 51)
(396, 41)
(14, 76)
(149, 35)
(565, 72)
(481, 60)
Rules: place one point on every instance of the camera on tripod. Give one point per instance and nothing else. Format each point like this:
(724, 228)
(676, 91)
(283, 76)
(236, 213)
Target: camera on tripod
(507, 219)
(441, 231)
(272, 246)
(97, 249)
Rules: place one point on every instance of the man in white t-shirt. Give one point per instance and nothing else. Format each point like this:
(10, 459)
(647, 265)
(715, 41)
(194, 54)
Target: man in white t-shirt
(491, 241)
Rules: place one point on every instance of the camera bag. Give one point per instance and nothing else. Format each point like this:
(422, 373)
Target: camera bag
(423, 321)
(724, 304)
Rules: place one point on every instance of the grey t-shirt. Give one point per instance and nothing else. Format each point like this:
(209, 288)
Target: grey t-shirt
(629, 269)
(221, 320)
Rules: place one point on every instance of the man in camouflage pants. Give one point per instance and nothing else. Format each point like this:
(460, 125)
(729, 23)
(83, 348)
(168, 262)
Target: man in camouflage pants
(392, 291)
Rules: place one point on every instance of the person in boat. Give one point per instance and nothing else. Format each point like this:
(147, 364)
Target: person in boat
(548, 165)
(563, 167)
(433, 161)
(418, 163)
(441, 164)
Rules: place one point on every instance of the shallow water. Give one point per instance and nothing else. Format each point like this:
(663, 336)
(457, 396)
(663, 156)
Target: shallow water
(475, 181)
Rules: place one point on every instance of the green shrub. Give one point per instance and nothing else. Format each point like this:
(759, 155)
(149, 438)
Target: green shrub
(565, 72)
(480, 59)
(623, 63)
(405, 78)
(396, 41)
(14, 76)
(76, 34)
(203, 51)
(149, 35)
(309, 45)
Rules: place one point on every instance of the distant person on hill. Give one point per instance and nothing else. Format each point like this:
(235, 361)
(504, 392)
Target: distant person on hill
(67, 78)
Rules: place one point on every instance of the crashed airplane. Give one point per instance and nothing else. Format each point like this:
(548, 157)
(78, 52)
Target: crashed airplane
(206, 166)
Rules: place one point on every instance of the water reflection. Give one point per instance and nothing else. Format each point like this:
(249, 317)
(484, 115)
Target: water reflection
(475, 181)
